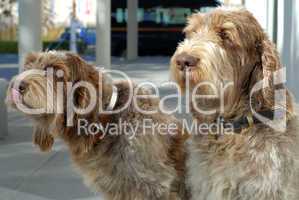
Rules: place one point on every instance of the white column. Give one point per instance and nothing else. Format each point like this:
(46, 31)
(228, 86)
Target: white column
(272, 19)
(260, 11)
(288, 41)
(132, 30)
(265, 12)
(103, 44)
(30, 28)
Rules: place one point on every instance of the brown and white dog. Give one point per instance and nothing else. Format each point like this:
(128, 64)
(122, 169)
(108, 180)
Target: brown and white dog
(256, 161)
(149, 166)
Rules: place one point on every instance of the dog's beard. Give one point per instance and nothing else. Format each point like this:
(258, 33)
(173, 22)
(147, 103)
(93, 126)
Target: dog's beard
(39, 94)
(212, 78)
(213, 66)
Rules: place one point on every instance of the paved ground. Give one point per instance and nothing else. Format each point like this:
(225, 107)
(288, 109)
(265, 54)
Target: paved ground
(26, 174)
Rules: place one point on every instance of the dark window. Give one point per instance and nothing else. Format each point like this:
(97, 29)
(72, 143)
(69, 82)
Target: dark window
(157, 15)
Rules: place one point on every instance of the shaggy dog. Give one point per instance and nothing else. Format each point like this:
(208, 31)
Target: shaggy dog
(227, 54)
(148, 166)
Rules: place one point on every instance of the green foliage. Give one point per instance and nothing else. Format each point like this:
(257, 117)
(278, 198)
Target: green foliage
(8, 47)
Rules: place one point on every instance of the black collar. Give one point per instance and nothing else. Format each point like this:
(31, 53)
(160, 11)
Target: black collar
(250, 120)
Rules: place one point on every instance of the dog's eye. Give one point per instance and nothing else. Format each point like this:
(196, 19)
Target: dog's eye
(222, 34)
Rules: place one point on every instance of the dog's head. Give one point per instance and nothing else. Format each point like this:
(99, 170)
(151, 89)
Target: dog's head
(45, 86)
(226, 49)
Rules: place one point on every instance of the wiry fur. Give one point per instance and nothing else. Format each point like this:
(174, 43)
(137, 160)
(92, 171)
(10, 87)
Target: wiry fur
(259, 163)
(148, 167)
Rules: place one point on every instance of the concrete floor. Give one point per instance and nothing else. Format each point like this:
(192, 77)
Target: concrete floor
(27, 174)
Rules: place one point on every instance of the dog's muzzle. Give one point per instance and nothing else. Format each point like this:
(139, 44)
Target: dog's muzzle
(17, 90)
(186, 62)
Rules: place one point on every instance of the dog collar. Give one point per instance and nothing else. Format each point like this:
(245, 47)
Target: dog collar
(113, 99)
(248, 121)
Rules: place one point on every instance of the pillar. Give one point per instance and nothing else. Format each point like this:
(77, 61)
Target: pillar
(103, 34)
(30, 28)
(132, 30)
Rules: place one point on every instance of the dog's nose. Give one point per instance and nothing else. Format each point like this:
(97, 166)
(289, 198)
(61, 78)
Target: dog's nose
(184, 60)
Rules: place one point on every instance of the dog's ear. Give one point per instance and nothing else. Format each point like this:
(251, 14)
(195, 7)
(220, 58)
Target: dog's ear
(81, 97)
(104, 87)
(79, 69)
(270, 74)
(42, 138)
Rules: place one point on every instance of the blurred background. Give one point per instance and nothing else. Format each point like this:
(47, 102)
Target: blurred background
(136, 28)
(135, 36)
